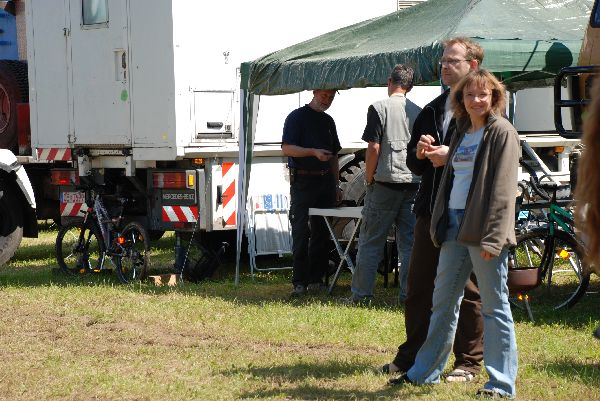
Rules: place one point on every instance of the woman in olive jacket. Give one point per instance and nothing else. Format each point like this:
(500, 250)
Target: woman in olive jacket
(473, 222)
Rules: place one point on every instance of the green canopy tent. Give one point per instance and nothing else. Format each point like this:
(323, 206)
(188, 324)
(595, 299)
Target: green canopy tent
(526, 44)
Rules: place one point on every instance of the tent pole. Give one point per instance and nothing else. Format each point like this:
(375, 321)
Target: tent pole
(248, 112)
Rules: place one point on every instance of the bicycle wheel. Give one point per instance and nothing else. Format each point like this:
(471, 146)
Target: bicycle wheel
(560, 258)
(79, 249)
(132, 263)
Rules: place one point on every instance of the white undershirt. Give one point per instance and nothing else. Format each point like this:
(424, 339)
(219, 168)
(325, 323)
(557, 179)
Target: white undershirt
(448, 114)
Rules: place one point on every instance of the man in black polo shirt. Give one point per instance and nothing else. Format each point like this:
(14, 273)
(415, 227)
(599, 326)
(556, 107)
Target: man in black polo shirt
(311, 143)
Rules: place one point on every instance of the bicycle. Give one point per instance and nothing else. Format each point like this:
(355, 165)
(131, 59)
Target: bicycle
(546, 267)
(81, 245)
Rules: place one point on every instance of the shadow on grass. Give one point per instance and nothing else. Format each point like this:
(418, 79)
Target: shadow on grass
(300, 371)
(588, 373)
(43, 251)
(297, 374)
(34, 252)
(264, 288)
(309, 392)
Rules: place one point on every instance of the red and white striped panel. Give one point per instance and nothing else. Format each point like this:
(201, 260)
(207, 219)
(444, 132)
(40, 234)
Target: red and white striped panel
(71, 209)
(180, 214)
(229, 197)
(54, 154)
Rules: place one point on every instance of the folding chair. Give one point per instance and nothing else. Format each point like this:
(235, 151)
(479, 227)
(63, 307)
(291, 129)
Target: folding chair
(268, 231)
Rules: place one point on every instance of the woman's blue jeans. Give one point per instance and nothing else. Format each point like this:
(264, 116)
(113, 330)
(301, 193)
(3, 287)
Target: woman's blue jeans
(499, 346)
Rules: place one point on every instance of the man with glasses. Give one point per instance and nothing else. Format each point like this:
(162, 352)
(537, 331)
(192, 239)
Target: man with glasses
(427, 155)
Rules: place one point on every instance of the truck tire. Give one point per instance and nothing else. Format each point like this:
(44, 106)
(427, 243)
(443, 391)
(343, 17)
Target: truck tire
(11, 225)
(352, 182)
(13, 90)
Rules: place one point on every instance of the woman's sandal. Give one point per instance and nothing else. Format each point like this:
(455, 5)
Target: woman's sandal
(459, 376)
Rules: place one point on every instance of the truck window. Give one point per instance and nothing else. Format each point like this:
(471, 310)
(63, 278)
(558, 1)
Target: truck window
(595, 18)
(94, 12)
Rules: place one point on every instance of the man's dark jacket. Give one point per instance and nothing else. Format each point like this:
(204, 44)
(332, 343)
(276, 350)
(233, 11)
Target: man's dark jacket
(429, 122)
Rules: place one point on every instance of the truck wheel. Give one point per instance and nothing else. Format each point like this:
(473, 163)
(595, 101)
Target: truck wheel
(13, 90)
(11, 225)
(352, 182)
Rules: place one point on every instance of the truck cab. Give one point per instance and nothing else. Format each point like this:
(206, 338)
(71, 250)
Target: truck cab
(17, 206)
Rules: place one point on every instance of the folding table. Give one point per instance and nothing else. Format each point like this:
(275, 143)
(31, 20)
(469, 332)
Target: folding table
(346, 212)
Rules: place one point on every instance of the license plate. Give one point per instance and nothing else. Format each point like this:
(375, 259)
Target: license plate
(72, 197)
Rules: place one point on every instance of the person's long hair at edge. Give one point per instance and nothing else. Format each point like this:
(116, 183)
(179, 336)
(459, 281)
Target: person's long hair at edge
(587, 192)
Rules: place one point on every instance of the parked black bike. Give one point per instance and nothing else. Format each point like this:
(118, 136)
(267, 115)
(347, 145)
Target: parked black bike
(83, 246)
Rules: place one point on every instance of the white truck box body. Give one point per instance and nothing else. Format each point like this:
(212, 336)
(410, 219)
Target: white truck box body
(153, 75)
(158, 71)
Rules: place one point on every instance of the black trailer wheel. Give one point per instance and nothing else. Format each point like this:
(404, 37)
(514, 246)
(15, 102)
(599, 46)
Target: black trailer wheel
(352, 182)
(11, 224)
(13, 90)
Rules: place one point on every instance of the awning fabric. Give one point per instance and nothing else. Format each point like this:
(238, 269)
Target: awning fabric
(525, 42)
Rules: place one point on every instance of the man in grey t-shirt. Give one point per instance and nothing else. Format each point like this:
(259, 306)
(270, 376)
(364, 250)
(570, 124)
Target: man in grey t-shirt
(391, 186)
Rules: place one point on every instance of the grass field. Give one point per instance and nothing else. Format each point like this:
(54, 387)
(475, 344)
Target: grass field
(66, 338)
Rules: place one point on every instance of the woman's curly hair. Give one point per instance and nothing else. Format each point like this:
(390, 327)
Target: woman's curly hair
(587, 191)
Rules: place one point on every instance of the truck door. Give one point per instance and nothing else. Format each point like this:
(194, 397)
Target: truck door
(100, 77)
(47, 32)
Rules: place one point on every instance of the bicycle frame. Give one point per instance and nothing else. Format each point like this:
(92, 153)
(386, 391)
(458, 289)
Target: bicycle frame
(556, 215)
(102, 216)
(107, 224)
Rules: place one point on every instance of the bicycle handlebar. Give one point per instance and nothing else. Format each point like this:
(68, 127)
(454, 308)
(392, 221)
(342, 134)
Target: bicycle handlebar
(89, 185)
(542, 189)
(92, 188)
